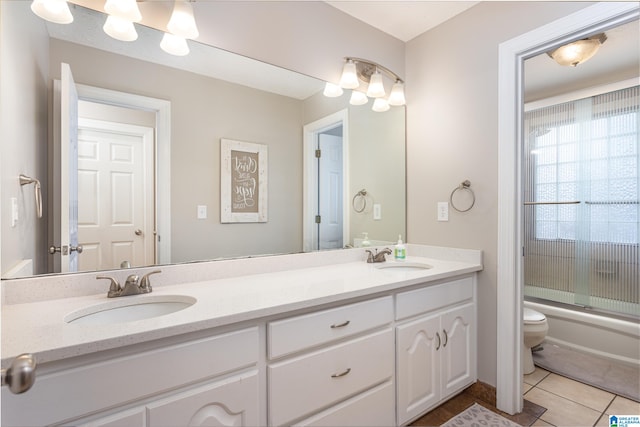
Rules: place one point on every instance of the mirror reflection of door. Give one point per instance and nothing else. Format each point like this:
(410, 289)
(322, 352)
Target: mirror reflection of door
(65, 184)
(116, 212)
(330, 197)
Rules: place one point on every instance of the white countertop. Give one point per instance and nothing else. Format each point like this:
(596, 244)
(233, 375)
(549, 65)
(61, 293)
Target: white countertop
(39, 327)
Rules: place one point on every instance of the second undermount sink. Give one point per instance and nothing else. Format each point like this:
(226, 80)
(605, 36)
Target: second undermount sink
(406, 266)
(128, 309)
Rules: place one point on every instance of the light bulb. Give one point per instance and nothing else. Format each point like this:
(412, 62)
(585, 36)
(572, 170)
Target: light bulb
(56, 11)
(349, 79)
(120, 29)
(174, 45)
(182, 23)
(376, 87)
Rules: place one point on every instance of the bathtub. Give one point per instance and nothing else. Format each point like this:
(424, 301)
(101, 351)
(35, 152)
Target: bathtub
(595, 334)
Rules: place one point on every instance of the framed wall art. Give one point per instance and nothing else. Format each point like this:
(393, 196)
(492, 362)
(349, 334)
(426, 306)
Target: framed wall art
(243, 180)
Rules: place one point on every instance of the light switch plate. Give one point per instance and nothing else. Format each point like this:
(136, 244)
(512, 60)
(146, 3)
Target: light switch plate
(443, 211)
(14, 211)
(202, 212)
(377, 211)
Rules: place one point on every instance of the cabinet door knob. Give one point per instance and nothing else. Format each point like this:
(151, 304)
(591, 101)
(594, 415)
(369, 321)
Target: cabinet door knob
(138, 232)
(341, 374)
(21, 374)
(340, 325)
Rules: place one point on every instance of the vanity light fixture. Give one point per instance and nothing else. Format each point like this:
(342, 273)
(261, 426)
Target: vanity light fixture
(56, 11)
(579, 51)
(182, 23)
(363, 76)
(120, 29)
(125, 9)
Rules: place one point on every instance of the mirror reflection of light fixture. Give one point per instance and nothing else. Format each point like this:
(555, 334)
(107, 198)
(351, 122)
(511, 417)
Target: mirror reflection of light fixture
(578, 51)
(182, 23)
(56, 11)
(380, 105)
(120, 29)
(174, 45)
(358, 98)
(363, 76)
(332, 90)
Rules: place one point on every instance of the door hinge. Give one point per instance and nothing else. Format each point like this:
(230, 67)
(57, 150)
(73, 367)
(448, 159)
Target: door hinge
(318, 153)
(318, 219)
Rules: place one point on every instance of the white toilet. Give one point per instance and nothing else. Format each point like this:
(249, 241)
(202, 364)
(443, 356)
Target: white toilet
(534, 331)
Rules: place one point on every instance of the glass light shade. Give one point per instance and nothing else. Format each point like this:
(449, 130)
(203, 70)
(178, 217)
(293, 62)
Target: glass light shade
(349, 79)
(125, 9)
(358, 98)
(332, 90)
(576, 53)
(376, 87)
(380, 105)
(56, 11)
(120, 29)
(182, 23)
(396, 97)
(174, 45)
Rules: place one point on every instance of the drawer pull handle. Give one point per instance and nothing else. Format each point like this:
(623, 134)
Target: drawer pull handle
(340, 325)
(439, 341)
(341, 374)
(446, 338)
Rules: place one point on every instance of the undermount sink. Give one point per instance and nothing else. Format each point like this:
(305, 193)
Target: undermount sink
(406, 266)
(128, 309)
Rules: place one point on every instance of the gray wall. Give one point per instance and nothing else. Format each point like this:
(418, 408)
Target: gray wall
(452, 135)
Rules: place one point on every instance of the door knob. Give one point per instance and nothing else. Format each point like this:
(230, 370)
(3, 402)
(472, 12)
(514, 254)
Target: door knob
(76, 248)
(138, 232)
(21, 374)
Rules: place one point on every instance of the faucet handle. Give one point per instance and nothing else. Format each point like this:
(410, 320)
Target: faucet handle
(114, 287)
(145, 282)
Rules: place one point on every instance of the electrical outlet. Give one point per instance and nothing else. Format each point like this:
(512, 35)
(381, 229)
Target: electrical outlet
(202, 212)
(377, 211)
(443, 211)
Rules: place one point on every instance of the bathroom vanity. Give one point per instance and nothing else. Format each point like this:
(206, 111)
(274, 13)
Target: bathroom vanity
(326, 342)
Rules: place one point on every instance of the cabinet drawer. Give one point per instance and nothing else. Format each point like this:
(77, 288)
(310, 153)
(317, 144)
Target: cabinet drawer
(233, 401)
(375, 407)
(433, 297)
(302, 332)
(309, 383)
(110, 383)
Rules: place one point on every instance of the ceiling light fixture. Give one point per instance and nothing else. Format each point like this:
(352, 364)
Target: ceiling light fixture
(364, 76)
(56, 11)
(579, 51)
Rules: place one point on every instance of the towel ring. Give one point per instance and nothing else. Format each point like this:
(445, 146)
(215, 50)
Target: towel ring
(464, 186)
(360, 195)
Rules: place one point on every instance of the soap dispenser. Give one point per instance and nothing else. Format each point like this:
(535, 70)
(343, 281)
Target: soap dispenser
(400, 252)
(365, 240)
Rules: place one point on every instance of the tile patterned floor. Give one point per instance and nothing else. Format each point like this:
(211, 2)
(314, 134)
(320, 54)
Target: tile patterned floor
(549, 400)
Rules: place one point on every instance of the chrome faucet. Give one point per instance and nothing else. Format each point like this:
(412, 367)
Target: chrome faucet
(132, 286)
(379, 256)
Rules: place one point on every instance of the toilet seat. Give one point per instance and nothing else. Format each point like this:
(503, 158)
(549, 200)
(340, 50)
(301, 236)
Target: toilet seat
(532, 317)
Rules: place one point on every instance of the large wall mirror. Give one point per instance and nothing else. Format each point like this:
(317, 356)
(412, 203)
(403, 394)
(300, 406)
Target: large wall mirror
(210, 95)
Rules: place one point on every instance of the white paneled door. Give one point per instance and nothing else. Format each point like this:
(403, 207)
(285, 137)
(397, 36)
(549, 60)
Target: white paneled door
(330, 191)
(115, 186)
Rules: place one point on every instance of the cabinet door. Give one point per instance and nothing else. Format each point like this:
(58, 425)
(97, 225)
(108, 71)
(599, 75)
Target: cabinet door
(458, 354)
(418, 378)
(230, 402)
(131, 418)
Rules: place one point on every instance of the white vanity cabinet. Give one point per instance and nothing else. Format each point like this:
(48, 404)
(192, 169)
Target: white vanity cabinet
(333, 367)
(436, 345)
(206, 381)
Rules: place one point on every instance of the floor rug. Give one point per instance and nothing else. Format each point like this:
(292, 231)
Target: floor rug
(479, 416)
(613, 377)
